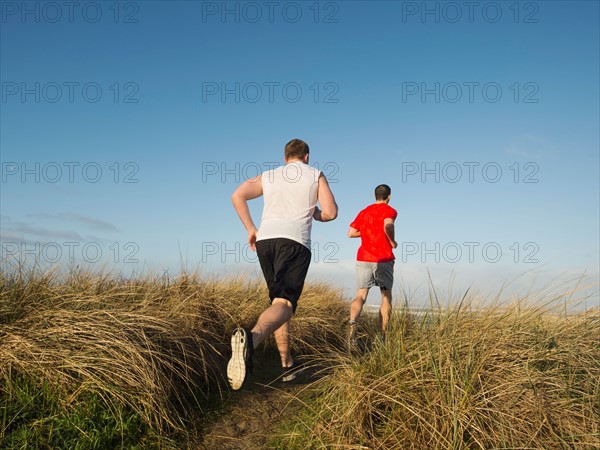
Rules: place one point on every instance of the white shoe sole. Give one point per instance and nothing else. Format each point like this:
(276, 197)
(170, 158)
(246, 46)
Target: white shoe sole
(236, 368)
(290, 377)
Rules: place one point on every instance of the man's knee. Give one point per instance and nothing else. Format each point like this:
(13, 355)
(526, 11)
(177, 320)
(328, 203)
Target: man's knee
(361, 295)
(283, 301)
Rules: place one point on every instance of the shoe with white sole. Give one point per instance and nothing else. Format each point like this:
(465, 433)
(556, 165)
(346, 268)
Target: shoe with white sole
(240, 363)
(289, 373)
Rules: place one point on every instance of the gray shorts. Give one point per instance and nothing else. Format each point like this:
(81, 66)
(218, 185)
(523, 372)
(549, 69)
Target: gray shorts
(369, 274)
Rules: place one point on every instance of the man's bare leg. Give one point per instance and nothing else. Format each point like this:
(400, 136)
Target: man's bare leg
(271, 320)
(282, 338)
(356, 308)
(357, 304)
(386, 309)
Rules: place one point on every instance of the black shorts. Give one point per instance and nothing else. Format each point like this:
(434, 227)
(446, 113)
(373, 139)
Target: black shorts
(284, 264)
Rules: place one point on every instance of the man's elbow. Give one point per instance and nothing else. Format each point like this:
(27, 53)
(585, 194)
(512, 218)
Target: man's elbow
(328, 216)
(236, 199)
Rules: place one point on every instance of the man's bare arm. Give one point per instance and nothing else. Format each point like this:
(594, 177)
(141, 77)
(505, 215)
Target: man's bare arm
(248, 190)
(353, 233)
(388, 227)
(329, 208)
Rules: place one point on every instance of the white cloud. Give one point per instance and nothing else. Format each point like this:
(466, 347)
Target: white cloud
(530, 146)
(90, 222)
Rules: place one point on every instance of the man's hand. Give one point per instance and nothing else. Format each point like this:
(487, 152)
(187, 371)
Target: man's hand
(252, 239)
(353, 233)
(394, 243)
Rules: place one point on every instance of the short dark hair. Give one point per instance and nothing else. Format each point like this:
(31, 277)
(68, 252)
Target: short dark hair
(296, 149)
(382, 192)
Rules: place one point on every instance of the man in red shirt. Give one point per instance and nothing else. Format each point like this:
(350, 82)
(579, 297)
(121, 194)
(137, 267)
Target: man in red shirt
(375, 259)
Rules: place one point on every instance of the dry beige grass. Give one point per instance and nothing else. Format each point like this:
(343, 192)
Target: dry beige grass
(461, 378)
(155, 344)
(501, 377)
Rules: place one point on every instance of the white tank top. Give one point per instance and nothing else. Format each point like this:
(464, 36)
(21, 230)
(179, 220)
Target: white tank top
(290, 196)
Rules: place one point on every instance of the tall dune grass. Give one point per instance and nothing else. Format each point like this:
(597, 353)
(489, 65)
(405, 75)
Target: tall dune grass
(135, 353)
(93, 360)
(520, 376)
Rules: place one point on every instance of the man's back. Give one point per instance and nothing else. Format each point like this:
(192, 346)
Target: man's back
(375, 245)
(290, 196)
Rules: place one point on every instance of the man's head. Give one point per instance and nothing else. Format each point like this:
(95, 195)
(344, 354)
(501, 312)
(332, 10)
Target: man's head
(382, 193)
(296, 150)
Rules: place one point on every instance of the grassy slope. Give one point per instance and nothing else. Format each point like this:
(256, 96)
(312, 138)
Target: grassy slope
(498, 378)
(94, 361)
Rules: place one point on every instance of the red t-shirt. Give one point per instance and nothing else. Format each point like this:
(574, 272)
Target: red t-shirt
(375, 245)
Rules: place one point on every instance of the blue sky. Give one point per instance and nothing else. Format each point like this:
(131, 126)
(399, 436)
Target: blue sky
(126, 126)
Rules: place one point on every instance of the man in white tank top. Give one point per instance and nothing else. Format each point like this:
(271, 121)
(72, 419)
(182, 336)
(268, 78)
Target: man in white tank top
(282, 244)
